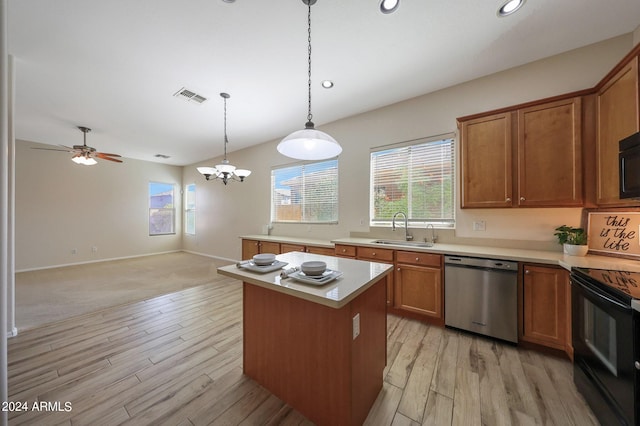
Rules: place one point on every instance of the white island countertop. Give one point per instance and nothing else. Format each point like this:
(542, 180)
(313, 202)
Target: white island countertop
(357, 276)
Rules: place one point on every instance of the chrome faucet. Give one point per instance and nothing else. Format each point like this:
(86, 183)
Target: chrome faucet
(433, 234)
(407, 237)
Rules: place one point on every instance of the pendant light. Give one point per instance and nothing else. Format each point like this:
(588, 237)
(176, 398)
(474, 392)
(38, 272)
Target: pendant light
(309, 143)
(224, 171)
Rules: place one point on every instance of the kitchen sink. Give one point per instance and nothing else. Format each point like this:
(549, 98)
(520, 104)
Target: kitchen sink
(404, 243)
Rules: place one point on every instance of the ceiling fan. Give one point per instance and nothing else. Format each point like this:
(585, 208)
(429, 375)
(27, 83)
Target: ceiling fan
(84, 154)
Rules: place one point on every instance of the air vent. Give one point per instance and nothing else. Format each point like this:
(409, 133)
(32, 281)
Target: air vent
(161, 156)
(189, 95)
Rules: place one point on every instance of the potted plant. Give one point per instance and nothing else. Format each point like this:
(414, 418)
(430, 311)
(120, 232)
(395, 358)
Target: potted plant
(573, 240)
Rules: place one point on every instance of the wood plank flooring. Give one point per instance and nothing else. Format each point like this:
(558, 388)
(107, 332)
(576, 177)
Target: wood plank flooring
(176, 360)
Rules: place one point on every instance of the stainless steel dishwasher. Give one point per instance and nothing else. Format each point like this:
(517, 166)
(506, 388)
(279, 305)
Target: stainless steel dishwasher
(481, 295)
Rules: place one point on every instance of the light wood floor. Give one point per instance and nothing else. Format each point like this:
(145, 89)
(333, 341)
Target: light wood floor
(176, 360)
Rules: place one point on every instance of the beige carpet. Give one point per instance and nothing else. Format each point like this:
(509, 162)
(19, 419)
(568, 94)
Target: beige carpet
(52, 295)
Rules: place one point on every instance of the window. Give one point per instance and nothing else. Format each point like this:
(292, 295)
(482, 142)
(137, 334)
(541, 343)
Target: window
(161, 208)
(190, 209)
(416, 178)
(305, 193)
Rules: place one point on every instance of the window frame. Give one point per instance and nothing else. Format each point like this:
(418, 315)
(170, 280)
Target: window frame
(304, 174)
(442, 223)
(189, 211)
(171, 209)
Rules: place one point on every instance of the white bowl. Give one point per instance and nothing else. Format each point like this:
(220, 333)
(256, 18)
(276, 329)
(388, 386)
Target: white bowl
(313, 267)
(264, 259)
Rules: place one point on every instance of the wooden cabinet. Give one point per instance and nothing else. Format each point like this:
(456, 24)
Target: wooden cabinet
(617, 114)
(485, 158)
(418, 284)
(546, 141)
(342, 250)
(252, 247)
(379, 255)
(550, 154)
(287, 247)
(544, 298)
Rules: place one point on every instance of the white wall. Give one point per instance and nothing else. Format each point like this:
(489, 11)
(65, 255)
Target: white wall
(225, 213)
(61, 206)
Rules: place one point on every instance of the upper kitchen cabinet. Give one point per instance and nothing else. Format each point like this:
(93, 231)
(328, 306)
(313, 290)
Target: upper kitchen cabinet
(550, 154)
(544, 139)
(486, 161)
(617, 117)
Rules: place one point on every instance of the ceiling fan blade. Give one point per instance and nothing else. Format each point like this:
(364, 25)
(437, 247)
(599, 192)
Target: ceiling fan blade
(52, 149)
(110, 155)
(103, 157)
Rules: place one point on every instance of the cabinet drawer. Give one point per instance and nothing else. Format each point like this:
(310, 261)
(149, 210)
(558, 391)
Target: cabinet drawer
(321, 250)
(343, 250)
(418, 258)
(371, 253)
(286, 248)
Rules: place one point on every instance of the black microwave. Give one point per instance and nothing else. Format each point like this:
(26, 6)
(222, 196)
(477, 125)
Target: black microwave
(630, 166)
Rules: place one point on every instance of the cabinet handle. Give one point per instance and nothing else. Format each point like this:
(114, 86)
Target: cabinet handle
(344, 250)
(637, 365)
(522, 199)
(527, 272)
(508, 199)
(373, 254)
(398, 269)
(417, 259)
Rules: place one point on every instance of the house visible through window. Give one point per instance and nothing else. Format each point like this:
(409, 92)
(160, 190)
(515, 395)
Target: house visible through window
(190, 209)
(305, 193)
(162, 210)
(416, 178)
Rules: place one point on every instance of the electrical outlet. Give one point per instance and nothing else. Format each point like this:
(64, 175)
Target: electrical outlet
(94, 249)
(74, 251)
(356, 326)
(479, 225)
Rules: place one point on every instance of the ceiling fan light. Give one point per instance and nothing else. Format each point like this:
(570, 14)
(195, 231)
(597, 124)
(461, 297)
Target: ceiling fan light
(309, 144)
(89, 161)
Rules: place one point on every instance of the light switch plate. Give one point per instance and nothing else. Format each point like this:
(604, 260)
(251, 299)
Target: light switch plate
(356, 326)
(479, 225)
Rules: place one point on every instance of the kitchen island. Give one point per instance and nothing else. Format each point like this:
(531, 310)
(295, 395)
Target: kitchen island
(321, 349)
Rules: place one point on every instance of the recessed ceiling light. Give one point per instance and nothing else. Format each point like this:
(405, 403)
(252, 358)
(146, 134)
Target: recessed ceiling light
(229, 1)
(327, 84)
(511, 6)
(389, 6)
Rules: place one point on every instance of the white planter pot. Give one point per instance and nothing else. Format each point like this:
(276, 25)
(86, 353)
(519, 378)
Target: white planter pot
(573, 250)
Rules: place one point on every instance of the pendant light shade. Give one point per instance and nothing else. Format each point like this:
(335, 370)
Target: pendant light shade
(309, 143)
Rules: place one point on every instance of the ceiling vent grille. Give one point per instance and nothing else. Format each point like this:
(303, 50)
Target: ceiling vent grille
(162, 156)
(189, 95)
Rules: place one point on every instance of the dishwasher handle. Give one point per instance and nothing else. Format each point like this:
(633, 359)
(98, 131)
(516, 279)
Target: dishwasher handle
(475, 262)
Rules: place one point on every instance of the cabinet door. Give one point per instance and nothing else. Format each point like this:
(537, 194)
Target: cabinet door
(383, 256)
(250, 248)
(418, 289)
(617, 118)
(486, 162)
(269, 247)
(550, 154)
(545, 306)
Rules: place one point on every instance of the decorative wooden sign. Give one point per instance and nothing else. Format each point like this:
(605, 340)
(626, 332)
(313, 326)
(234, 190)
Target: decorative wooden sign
(615, 233)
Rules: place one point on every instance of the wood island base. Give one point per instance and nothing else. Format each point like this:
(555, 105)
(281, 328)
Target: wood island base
(305, 354)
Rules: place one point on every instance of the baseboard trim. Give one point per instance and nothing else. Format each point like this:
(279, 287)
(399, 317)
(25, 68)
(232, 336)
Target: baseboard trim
(98, 261)
(13, 332)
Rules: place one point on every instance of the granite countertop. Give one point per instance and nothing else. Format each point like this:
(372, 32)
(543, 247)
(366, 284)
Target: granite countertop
(357, 276)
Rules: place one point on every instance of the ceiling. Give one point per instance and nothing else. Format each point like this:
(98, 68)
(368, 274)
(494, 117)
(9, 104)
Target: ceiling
(115, 65)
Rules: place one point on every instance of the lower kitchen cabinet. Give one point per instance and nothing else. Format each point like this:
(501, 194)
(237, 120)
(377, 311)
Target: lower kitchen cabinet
(418, 284)
(378, 255)
(252, 247)
(545, 308)
(342, 250)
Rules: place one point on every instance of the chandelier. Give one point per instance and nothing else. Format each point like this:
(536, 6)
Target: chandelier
(224, 171)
